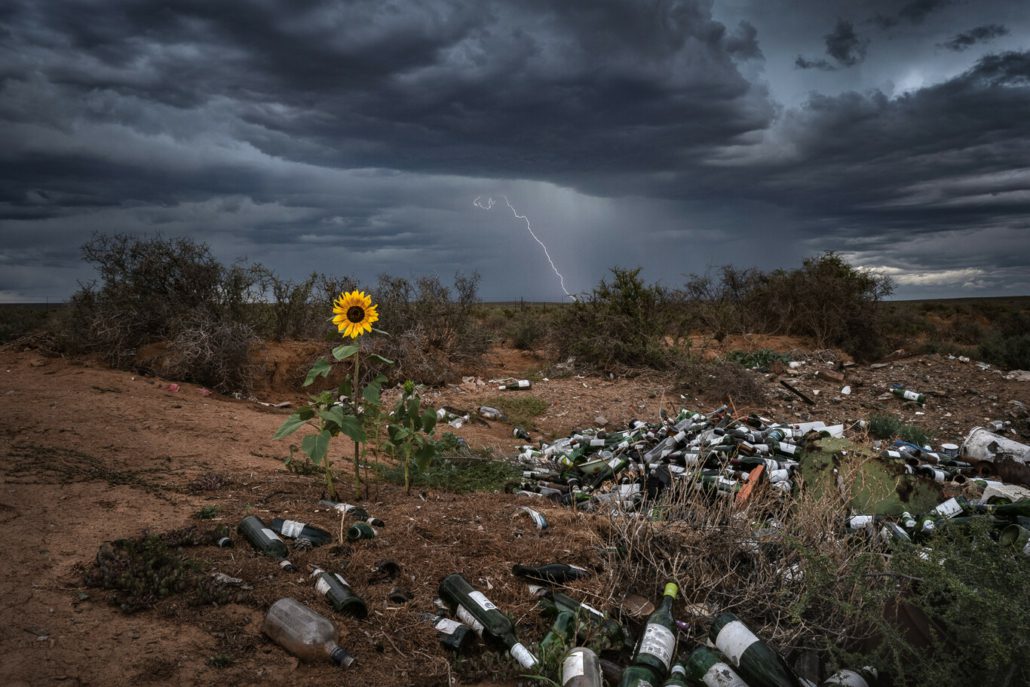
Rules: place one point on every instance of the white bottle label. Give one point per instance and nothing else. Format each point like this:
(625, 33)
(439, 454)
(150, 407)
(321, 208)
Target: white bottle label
(523, 383)
(721, 675)
(597, 442)
(590, 609)
(846, 678)
(292, 528)
(733, 640)
(524, 656)
(779, 476)
(949, 508)
(614, 462)
(789, 449)
(572, 667)
(910, 395)
(483, 602)
(860, 521)
(322, 586)
(469, 619)
(659, 642)
(447, 626)
(270, 534)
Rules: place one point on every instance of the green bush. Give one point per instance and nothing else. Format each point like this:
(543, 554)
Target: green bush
(622, 323)
(890, 427)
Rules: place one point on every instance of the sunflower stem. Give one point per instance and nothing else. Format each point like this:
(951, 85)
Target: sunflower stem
(357, 444)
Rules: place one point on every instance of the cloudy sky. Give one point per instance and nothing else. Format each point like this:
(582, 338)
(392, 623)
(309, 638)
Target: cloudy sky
(353, 137)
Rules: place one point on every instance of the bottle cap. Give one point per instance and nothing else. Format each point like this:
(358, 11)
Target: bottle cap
(341, 658)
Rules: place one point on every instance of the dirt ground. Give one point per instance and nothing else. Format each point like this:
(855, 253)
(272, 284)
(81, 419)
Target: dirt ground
(91, 455)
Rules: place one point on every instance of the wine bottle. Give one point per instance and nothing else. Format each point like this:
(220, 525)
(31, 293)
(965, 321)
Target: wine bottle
(658, 642)
(299, 530)
(581, 668)
(337, 591)
(638, 676)
(557, 639)
(452, 634)
(907, 395)
(475, 610)
(677, 677)
(304, 633)
(345, 508)
(360, 530)
(551, 572)
(852, 678)
(707, 667)
(592, 622)
(756, 663)
(265, 540)
(515, 385)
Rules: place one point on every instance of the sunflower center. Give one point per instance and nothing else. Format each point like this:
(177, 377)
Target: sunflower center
(355, 313)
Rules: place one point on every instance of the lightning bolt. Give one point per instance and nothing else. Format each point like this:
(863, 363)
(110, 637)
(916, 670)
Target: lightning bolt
(489, 203)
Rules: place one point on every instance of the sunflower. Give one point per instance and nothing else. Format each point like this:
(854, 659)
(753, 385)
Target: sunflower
(353, 313)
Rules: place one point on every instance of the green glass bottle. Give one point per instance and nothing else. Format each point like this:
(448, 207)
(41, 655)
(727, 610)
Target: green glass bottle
(551, 572)
(754, 661)
(863, 677)
(638, 676)
(593, 624)
(452, 634)
(475, 610)
(658, 642)
(581, 668)
(265, 540)
(677, 677)
(706, 667)
(338, 593)
(360, 530)
(557, 640)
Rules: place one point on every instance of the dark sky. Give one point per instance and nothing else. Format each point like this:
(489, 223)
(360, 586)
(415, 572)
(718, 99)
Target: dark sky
(353, 137)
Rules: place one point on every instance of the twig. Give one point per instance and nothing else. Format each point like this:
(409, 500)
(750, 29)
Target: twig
(790, 387)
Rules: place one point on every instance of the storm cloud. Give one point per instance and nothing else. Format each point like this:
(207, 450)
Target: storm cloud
(979, 34)
(351, 137)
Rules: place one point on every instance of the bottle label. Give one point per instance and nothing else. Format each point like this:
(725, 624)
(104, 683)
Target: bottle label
(721, 675)
(949, 508)
(469, 619)
(910, 395)
(659, 642)
(483, 602)
(524, 656)
(523, 384)
(597, 442)
(860, 521)
(270, 534)
(590, 609)
(614, 462)
(572, 667)
(292, 528)
(446, 626)
(733, 640)
(322, 586)
(537, 518)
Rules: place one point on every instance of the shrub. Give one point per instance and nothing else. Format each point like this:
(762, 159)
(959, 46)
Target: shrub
(434, 336)
(890, 427)
(622, 323)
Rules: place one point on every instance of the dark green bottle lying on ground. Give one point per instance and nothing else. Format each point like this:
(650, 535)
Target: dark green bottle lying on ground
(756, 663)
(265, 540)
(338, 593)
(706, 667)
(475, 610)
(593, 624)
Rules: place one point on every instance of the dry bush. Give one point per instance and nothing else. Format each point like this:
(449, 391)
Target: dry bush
(210, 351)
(720, 378)
(782, 565)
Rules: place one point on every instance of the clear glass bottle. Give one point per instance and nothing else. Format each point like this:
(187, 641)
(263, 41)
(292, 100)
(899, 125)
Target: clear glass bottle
(304, 633)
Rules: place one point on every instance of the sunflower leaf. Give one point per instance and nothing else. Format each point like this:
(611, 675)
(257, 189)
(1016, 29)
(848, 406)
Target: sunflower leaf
(333, 415)
(291, 425)
(424, 456)
(373, 390)
(380, 331)
(344, 351)
(351, 426)
(428, 421)
(398, 433)
(319, 369)
(316, 446)
(384, 361)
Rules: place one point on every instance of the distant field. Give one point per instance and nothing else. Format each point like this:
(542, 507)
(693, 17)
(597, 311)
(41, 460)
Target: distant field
(18, 319)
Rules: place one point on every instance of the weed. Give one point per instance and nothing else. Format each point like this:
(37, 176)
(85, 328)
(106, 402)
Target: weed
(521, 409)
(206, 513)
(761, 359)
(890, 427)
(457, 473)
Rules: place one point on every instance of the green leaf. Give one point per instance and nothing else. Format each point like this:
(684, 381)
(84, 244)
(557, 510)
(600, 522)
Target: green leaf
(319, 369)
(428, 421)
(345, 388)
(291, 425)
(398, 433)
(413, 407)
(316, 446)
(380, 331)
(344, 351)
(306, 413)
(351, 426)
(425, 454)
(333, 415)
(385, 361)
(373, 391)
